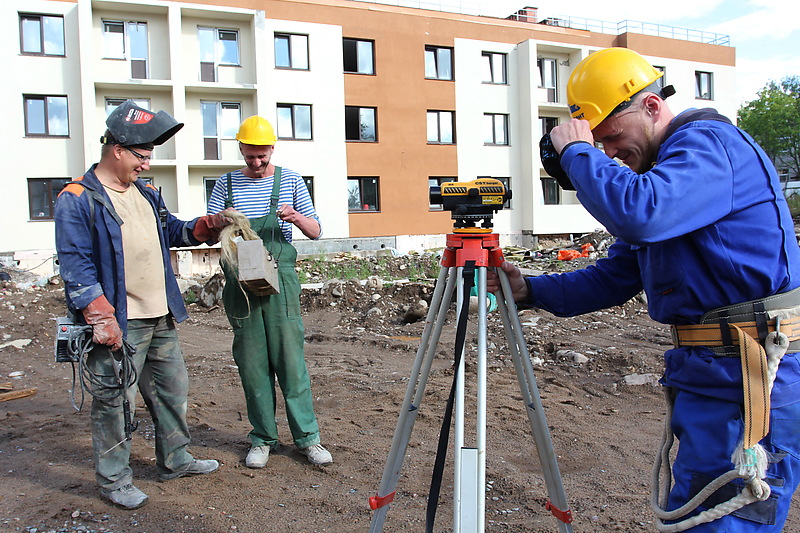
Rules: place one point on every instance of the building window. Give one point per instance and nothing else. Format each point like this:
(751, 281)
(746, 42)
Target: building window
(112, 103)
(704, 85)
(291, 51)
(359, 56)
(41, 35)
(217, 47)
(662, 81)
(548, 77)
(127, 41)
(441, 127)
(551, 191)
(494, 68)
(495, 129)
(208, 186)
(46, 116)
(220, 121)
(359, 124)
(294, 121)
(438, 63)
(309, 181)
(42, 194)
(362, 194)
(548, 123)
(507, 184)
(436, 181)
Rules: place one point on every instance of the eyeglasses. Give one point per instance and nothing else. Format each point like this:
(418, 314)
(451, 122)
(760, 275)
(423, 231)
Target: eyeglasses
(142, 158)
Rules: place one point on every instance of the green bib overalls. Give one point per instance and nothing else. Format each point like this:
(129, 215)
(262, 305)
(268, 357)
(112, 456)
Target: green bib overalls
(268, 336)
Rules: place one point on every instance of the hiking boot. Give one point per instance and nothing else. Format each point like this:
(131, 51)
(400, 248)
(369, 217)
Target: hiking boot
(317, 454)
(127, 496)
(257, 457)
(193, 468)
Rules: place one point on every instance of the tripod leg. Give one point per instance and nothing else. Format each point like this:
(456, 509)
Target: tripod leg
(558, 504)
(442, 296)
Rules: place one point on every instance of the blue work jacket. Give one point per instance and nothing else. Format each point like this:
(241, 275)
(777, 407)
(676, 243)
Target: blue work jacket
(89, 245)
(707, 226)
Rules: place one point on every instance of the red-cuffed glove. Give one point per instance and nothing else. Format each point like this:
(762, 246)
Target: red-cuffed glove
(207, 228)
(105, 329)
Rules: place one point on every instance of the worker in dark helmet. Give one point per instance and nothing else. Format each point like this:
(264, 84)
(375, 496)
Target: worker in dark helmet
(113, 236)
(704, 230)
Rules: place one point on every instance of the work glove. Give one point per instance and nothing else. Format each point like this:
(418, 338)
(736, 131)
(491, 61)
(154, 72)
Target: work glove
(207, 228)
(105, 329)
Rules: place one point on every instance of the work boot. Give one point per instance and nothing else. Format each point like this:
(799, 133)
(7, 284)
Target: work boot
(193, 468)
(126, 496)
(257, 457)
(317, 454)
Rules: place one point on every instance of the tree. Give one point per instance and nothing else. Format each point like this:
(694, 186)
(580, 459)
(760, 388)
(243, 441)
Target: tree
(773, 120)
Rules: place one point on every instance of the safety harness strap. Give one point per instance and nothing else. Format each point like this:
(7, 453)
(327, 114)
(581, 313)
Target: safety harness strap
(755, 380)
(711, 334)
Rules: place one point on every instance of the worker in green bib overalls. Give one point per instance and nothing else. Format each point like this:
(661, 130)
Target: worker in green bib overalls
(268, 330)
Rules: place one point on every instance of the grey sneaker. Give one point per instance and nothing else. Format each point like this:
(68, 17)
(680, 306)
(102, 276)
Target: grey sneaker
(317, 454)
(127, 496)
(257, 457)
(197, 466)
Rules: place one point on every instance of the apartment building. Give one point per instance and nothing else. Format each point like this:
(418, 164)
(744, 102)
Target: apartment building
(372, 104)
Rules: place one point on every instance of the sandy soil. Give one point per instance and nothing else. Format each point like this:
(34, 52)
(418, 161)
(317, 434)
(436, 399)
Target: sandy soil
(360, 355)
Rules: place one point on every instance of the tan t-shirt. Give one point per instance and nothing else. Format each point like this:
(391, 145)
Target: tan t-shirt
(144, 263)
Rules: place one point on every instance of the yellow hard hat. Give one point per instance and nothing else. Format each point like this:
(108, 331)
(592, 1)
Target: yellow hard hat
(606, 79)
(256, 130)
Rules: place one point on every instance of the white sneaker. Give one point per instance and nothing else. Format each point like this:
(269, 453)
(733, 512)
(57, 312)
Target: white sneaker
(127, 496)
(317, 454)
(257, 457)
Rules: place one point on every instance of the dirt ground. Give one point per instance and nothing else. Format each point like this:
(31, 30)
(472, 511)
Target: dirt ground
(603, 409)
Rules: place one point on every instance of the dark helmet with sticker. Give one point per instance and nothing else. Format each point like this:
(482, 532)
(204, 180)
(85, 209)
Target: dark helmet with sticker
(131, 125)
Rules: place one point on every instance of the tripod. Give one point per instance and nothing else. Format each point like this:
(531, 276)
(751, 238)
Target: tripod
(465, 255)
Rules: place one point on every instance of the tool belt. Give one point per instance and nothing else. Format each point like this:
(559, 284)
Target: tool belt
(741, 329)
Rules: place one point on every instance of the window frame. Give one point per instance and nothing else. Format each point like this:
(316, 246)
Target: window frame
(309, 183)
(544, 124)
(505, 126)
(44, 98)
(662, 81)
(546, 74)
(40, 17)
(289, 37)
(437, 182)
(361, 202)
(357, 56)
(439, 113)
(550, 187)
(699, 77)
(506, 180)
(491, 57)
(293, 111)
(220, 106)
(433, 51)
(348, 110)
(49, 183)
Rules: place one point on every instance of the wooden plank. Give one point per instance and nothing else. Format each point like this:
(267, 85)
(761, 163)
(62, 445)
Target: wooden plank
(15, 395)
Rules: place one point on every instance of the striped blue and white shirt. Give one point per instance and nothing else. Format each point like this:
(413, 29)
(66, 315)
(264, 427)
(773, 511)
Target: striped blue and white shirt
(251, 196)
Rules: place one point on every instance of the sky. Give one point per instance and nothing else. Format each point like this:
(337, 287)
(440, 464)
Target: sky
(765, 33)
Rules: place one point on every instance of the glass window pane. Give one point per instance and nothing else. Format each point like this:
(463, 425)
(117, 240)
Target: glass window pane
(35, 120)
(430, 64)
(365, 57)
(367, 124)
(299, 51)
(488, 129)
(499, 68)
(302, 122)
(57, 123)
(231, 118)
(282, 51)
(433, 126)
(137, 35)
(31, 35)
(54, 36)
(369, 193)
(229, 47)
(353, 195)
(500, 129)
(285, 126)
(113, 40)
(486, 67)
(446, 125)
(39, 193)
(209, 113)
(206, 37)
(445, 64)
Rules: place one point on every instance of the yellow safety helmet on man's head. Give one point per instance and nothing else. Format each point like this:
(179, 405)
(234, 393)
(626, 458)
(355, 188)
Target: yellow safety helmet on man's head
(606, 79)
(257, 131)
